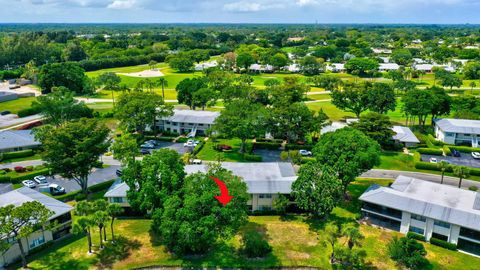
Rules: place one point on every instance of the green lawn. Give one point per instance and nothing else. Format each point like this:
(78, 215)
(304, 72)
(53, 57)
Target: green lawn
(209, 153)
(16, 105)
(295, 240)
(34, 157)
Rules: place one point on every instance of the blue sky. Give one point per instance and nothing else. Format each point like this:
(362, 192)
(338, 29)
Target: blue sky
(242, 11)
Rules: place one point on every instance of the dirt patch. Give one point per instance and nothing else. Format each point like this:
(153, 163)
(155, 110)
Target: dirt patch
(145, 74)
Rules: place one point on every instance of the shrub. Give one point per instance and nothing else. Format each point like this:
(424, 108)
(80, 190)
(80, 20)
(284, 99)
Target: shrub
(18, 154)
(474, 171)
(254, 245)
(447, 151)
(267, 145)
(19, 169)
(28, 111)
(284, 155)
(295, 156)
(444, 244)
(101, 186)
(223, 147)
(434, 140)
(307, 159)
(27, 176)
(430, 151)
(416, 236)
(80, 197)
(254, 158)
(430, 166)
(198, 148)
(473, 188)
(408, 252)
(2, 172)
(465, 149)
(98, 164)
(4, 179)
(269, 140)
(29, 168)
(165, 138)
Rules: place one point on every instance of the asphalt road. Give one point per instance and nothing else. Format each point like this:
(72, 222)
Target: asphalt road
(178, 147)
(268, 155)
(464, 160)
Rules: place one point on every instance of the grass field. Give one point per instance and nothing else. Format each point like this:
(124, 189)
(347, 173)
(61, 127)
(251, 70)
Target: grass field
(208, 153)
(16, 105)
(295, 240)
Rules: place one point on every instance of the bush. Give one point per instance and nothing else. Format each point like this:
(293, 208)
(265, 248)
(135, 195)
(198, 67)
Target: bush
(474, 171)
(431, 167)
(269, 140)
(80, 197)
(28, 111)
(308, 159)
(254, 245)
(29, 168)
(444, 244)
(290, 146)
(198, 148)
(101, 186)
(165, 139)
(434, 141)
(408, 252)
(18, 154)
(447, 151)
(266, 145)
(465, 149)
(254, 158)
(223, 147)
(4, 179)
(19, 169)
(98, 164)
(473, 188)
(416, 236)
(28, 176)
(284, 155)
(430, 151)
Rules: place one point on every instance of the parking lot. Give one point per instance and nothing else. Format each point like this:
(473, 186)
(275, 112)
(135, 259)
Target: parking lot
(268, 155)
(465, 159)
(178, 147)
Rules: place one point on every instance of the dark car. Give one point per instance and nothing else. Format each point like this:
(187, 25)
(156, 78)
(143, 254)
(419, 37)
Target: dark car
(118, 173)
(456, 153)
(5, 112)
(145, 152)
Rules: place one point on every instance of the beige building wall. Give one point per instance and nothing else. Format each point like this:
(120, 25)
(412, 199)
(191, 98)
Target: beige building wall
(34, 240)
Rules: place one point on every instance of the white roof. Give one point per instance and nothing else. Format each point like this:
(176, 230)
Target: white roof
(17, 138)
(424, 67)
(118, 189)
(293, 68)
(334, 126)
(22, 195)
(459, 125)
(404, 134)
(206, 65)
(389, 66)
(261, 67)
(191, 116)
(432, 200)
(336, 66)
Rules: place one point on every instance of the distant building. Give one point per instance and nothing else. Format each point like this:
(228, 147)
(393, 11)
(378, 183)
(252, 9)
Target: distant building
(188, 121)
(405, 136)
(381, 51)
(17, 140)
(336, 67)
(388, 66)
(458, 131)
(261, 68)
(294, 68)
(264, 182)
(61, 215)
(206, 65)
(430, 209)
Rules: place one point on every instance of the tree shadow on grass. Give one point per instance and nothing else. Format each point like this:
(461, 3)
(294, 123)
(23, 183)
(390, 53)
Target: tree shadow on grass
(117, 251)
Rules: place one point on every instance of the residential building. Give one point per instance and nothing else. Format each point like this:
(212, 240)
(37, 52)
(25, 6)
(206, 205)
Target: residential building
(188, 121)
(336, 67)
(405, 136)
(61, 215)
(381, 51)
(433, 210)
(388, 67)
(17, 140)
(264, 182)
(261, 68)
(206, 65)
(458, 131)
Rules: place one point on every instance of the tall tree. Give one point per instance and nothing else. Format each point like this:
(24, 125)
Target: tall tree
(186, 89)
(349, 160)
(418, 103)
(110, 81)
(352, 98)
(69, 75)
(83, 226)
(310, 65)
(100, 218)
(23, 220)
(381, 98)
(461, 172)
(162, 82)
(73, 149)
(113, 210)
(376, 126)
(125, 148)
(317, 189)
(443, 166)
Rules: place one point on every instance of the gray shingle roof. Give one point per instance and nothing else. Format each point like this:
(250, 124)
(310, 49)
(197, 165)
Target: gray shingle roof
(22, 195)
(261, 178)
(17, 138)
(404, 134)
(459, 125)
(440, 202)
(194, 117)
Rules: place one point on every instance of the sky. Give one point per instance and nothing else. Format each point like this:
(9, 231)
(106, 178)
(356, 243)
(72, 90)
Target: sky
(241, 11)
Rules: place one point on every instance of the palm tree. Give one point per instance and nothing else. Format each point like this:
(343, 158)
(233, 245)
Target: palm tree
(149, 84)
(353, 235)
(461, 172)
(163, 83)
(331, 236)
(140, 85)
(443, 166)
(113, 210)
(83, 225)
(101, 205)
(472, 85)
(99, 219)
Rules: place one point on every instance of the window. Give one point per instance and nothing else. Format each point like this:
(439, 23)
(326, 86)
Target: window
(265, 196)
(442, 224)
(200, 125)
(448, 134)
(118, 200)
(264, 208)
(167, 122)
(37, 242)
(466, 135)
(417, 230)
(418, 217)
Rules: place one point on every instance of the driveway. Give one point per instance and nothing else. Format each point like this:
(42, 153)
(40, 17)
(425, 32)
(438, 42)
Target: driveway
(178, 147)
(465, 160)
(268, 155)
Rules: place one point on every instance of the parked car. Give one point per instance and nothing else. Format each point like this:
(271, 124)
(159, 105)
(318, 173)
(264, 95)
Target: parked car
(118, 173)
(476, 155)
(40, 179)
(152, 142)
(144, 152)
(456, 153)
(53, 189)
(147, 145)
(5, 112)
(305, 153)
(190, 143)
(196, 161)
(29, 183)
(433, 160)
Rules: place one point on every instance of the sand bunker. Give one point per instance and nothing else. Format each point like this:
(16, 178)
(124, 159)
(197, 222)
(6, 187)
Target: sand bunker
(145, 74)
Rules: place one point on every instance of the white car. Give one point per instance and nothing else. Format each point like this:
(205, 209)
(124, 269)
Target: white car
(433, 160)
(29, 183)
(476, 155)
(40, 179)
(190, 143)
(147, 146)
(305, 153)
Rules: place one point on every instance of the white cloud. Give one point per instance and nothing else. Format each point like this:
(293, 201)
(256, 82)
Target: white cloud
(122, 4)
(246, 6)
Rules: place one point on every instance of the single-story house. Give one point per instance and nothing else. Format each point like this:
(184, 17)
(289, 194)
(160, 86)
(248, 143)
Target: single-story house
(264, 182)
(61, 215)
(385, 59)
(336, 67)
(381, 51)
(424, 67)
(405, 136)
(294, 68)
(17, 140)
(433, 210)
(206, 65)
(7, 96)
(188, 121)
(458, 131)
(261, 68)
(388, 66)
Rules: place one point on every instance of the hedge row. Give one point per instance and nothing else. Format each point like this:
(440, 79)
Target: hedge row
(416, 236)
(4, 179)
(11, 74)
(29, 176)
(91, 65)
(198, 148)
(464, 149)
(28, 111)
(18, 154)
(254, 158)
(431, 166)
(308, 159)
(299, 147)
(430, 151)
(444, 244)
(267, 145)
(434, 141)
(446, 150)
(95, 188)
(269, 140)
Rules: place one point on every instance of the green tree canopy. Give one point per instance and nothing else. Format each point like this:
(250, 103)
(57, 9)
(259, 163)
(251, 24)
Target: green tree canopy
(69, 75)
(376, 126)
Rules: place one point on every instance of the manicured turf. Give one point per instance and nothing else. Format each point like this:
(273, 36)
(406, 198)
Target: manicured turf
(209, 153)
(296, 241)
(16, 105)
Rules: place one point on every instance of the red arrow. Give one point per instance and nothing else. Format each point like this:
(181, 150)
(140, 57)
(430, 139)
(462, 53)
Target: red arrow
(224, 198)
